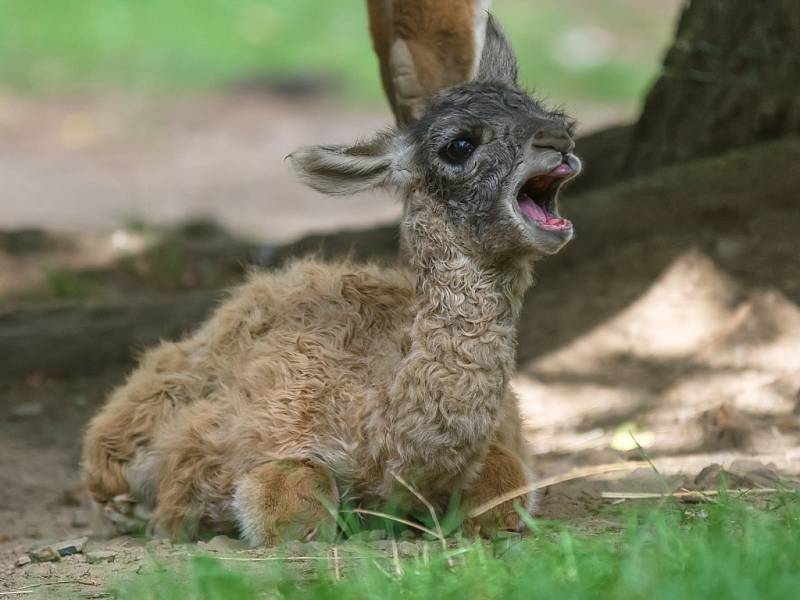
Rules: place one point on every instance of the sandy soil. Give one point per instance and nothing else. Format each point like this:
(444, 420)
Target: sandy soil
(701, 371)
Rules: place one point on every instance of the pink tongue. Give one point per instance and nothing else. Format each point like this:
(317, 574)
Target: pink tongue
(562, 169)
(541, 216)
(532, 210)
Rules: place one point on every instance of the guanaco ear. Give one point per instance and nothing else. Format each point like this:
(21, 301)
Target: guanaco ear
(498, 61)
(342, 170)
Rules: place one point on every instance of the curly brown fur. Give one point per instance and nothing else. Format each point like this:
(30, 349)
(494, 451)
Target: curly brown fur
(322, 381)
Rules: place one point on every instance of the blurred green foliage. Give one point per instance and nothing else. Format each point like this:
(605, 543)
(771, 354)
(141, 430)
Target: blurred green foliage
(52, 46)
(65, 284)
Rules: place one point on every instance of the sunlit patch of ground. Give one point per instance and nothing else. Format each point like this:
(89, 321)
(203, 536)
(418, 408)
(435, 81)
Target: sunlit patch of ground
(697, 365)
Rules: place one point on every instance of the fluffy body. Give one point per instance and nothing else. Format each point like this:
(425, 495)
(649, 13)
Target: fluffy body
(300, 364)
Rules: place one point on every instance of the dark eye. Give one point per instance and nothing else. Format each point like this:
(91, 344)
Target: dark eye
(458, 150)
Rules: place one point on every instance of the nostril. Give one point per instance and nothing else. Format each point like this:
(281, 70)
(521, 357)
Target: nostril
(548, 144)
(561, 145)
(553, 138)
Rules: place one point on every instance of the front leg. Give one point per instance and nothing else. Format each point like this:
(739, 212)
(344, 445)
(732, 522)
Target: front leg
(502, 472)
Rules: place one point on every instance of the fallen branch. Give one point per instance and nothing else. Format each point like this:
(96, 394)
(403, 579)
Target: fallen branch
(28, 589)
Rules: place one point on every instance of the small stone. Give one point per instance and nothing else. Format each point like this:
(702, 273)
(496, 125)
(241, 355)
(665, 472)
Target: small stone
(98, 556)
(23, 560)
(45, 554)
(405, 548)
(709, 476)
(53, 552)
(223, 543)
(71, 547)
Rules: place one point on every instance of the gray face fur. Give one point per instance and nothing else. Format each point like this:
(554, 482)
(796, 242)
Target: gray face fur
(486, 155)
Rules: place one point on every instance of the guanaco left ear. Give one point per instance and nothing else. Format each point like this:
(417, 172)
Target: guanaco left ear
(342, 170)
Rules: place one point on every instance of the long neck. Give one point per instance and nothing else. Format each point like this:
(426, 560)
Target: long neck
(448, 387)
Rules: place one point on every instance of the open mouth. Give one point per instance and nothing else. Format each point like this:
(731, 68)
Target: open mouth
(538, 199)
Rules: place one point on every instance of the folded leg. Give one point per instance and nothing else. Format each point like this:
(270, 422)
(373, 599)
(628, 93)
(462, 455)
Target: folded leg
(502, 472)
(285, 500)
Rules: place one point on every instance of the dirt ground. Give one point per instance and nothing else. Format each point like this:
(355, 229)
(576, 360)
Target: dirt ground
(97, 162)
(672, 321)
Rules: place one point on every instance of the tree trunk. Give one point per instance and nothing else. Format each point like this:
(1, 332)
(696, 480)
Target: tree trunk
(81, 340)
(731, 78)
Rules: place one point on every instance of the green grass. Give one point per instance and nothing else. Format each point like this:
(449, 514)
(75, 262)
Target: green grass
(51, 46)
(727, 550)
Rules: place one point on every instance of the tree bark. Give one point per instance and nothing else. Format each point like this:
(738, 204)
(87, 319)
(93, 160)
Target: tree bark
(731, 78)
(73, 340)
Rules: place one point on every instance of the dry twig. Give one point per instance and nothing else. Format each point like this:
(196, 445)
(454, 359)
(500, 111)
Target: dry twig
(337, 573)
(693, 495)
(396, 557)
(28, 589)
(575, 474)
(430, 508)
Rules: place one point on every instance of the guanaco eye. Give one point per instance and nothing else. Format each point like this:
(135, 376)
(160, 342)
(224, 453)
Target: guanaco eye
(458, 150)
